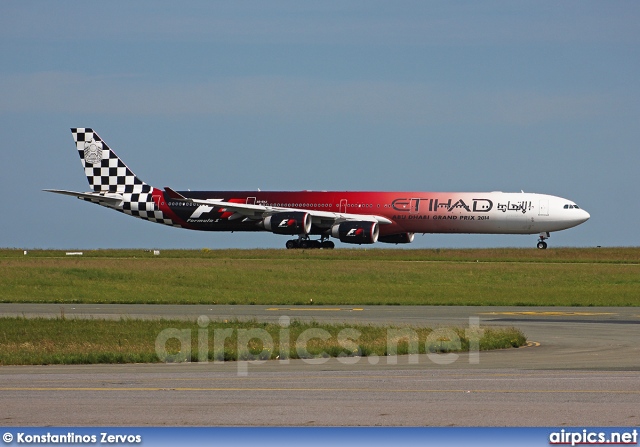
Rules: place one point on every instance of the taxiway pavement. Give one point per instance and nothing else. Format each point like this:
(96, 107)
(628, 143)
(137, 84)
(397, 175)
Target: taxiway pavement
(583, 368)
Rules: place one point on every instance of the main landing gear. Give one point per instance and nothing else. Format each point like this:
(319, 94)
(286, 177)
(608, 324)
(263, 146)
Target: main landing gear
(541, 243)
(305, 242)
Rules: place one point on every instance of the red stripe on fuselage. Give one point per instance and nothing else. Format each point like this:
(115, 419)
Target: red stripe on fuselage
(160, 202)
(410, 212)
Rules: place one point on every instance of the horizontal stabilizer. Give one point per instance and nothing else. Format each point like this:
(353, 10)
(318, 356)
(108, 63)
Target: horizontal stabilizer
(102, 197)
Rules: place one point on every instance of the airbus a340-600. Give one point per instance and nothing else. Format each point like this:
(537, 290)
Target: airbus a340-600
(351, 217)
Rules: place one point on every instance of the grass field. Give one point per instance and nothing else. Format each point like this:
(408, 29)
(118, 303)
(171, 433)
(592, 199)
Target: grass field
(505, 277)
(78, 341)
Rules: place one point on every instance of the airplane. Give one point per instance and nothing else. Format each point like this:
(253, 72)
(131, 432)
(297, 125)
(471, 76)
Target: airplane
(351, 217)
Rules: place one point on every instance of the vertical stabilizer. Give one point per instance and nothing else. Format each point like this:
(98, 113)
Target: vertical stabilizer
(104, 170)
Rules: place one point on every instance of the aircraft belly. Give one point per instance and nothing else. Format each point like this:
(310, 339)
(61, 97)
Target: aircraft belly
(224, 225)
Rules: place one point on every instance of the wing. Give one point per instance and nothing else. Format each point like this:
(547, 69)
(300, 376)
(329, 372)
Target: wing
(259, 212)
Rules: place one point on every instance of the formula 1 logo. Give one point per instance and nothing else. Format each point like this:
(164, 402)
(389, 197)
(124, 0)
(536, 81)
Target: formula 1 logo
(286, 223)
(202, 209)
(355, 232)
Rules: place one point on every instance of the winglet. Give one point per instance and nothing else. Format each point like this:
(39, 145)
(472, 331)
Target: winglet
(173, 194)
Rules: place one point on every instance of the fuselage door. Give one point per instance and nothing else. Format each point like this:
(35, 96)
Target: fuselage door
(343, 206)
(544, 208)
(251, 200)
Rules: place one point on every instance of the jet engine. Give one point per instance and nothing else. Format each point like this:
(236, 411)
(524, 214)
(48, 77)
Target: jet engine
(356, 232)
(401, 238)
(288, 223)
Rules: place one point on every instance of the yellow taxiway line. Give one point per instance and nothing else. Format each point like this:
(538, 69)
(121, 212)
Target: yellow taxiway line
(321, 309)
(550, 313)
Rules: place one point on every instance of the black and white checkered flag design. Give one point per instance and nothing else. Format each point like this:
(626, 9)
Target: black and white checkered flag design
(107, 173)
(104, 170)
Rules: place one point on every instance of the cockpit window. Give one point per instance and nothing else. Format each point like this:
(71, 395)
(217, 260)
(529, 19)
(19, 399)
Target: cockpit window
(576, 207)
(570, 207)
(566, 207)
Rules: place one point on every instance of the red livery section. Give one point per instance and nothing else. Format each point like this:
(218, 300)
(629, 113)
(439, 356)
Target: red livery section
(351, 217)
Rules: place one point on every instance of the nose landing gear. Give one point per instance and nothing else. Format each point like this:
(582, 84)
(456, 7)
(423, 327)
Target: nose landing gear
(541, 243)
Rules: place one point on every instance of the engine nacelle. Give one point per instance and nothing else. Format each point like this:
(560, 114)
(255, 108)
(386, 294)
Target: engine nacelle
(402, 238)
(288, 223)
(356, 232)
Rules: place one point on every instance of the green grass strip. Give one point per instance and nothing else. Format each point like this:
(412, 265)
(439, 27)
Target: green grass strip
(498, 277)
(42, 341)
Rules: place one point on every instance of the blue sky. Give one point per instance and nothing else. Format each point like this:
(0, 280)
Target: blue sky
(290, 95)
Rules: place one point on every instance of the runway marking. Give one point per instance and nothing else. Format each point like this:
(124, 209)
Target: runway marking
(531, 344)
(474, 376)
(550, 313)
(340, 390)
(322, 309)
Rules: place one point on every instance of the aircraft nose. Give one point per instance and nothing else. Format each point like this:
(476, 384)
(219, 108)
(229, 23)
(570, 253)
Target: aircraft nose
(584, 216)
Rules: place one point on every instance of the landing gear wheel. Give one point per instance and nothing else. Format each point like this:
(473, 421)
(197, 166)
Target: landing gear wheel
(328, 245)
(542, 245)
(308, 243)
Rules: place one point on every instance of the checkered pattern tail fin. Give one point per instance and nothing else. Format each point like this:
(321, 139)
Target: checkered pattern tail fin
(104, 170)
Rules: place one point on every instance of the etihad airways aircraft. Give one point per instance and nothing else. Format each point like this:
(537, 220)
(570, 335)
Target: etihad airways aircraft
(351, 217)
